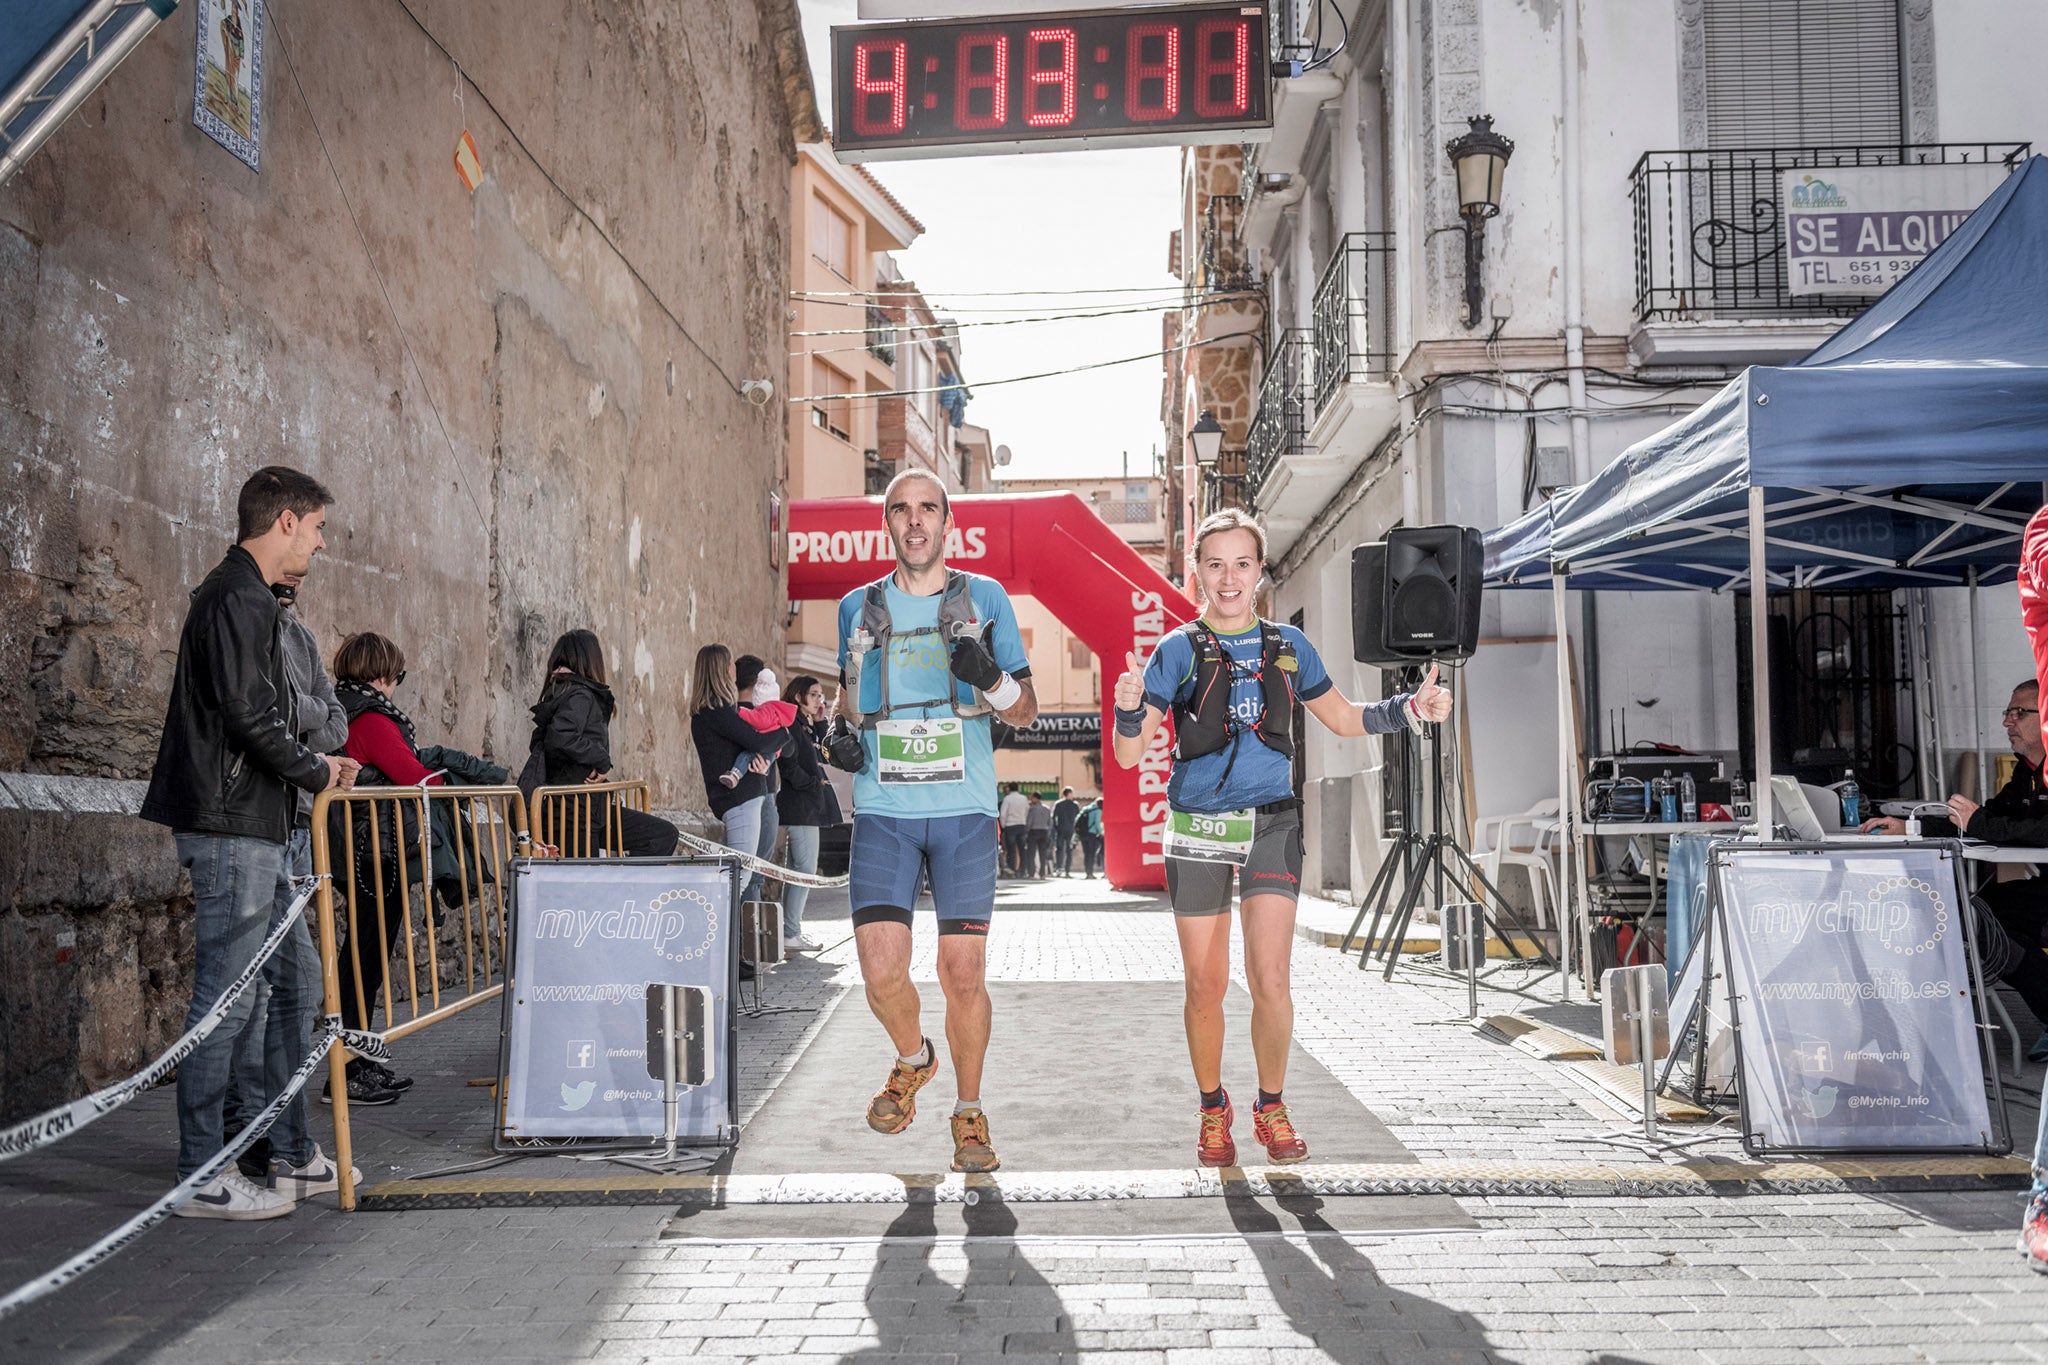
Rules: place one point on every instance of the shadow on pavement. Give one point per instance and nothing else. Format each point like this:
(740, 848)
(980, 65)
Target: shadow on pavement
(1002, 1305)
(1331, 1293)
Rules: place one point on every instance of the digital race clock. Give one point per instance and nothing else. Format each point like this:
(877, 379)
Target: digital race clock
(1124, 77)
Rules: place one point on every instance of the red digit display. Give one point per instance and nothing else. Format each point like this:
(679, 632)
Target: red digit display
(1222, 67)
(981, 81)
(879, 75)
(1191, 71)
(1049, 77)
(1152, 72)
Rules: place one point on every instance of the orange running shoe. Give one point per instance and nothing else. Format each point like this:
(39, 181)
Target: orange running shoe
(1275, 1132)
(1213, 1144)
(972, 1150)
(895, 1104)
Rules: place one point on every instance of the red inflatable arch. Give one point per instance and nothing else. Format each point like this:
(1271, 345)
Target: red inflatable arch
(1053, 547)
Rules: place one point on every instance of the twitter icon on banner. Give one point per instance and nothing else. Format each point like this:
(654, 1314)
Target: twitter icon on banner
(574, 1097)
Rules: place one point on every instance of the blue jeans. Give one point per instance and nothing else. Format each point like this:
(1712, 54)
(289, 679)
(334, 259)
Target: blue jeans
(771, 825)
(803, 857)
(234, 894)
(269, 1052)
(743, 835)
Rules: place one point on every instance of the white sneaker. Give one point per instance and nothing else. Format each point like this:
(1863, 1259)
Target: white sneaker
(802, 943)
(237, 1197)
(318, 1176)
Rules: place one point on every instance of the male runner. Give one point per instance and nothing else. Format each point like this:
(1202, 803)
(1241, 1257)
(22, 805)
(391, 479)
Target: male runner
(926, 655)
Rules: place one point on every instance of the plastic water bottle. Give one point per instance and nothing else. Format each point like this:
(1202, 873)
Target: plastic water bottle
(1852, 801)
(1667, 799)
(1688, 798)
(1738, 800)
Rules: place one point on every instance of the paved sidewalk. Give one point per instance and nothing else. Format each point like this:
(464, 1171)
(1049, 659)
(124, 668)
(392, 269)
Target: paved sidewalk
(1847, 1277)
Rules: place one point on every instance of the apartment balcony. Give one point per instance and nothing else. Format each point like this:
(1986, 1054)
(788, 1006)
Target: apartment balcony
(881, 335)
(1711, 280)
(1279, 428)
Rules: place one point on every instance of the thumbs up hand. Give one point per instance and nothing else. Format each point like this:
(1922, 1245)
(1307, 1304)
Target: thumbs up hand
(1432, 701)
(1130, 686)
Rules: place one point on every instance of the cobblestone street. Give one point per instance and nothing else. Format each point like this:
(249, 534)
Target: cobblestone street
(1743, 1275)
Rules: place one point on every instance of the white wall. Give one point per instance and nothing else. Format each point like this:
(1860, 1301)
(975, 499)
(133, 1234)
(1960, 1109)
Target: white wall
(1988, 58)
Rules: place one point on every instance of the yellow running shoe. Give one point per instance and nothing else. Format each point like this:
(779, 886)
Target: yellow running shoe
(895, 1104)
(971, 1149)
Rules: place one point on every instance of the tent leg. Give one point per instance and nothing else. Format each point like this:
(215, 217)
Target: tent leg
(1760, 662)
(1567, 792)
(1977, 695)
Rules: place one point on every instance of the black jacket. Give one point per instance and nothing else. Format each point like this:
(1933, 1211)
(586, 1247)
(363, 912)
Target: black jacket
(230, 756)
(572, 733)
(722, 735)
(1064, 817)
(2018, 815)
(806, 797)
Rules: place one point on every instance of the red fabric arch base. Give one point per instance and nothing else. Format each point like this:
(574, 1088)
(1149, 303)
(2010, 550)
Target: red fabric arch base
(1053, 547)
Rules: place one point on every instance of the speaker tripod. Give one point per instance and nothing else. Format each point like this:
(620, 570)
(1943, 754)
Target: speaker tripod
(1432, 860)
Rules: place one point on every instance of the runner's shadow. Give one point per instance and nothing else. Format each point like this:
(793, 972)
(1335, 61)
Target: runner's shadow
(1002, 1303)
(1331, 1293)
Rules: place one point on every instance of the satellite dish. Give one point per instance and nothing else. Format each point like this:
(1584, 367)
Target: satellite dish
(1002, 455)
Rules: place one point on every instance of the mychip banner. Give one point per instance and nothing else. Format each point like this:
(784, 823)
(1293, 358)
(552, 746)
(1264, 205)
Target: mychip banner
(588, 937)
(1859, 229)
(1856, 1007)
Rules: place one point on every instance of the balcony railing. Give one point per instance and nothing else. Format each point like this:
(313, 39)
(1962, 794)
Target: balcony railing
(1353, 335)
(1127, 511)
(1280, 426)
(881, 335)
(1296, 25)
(1224, 490)
(1710, 234)
(1226, 264)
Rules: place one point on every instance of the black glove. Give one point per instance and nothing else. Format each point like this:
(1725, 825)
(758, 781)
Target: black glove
(843, 748)
(974, 663)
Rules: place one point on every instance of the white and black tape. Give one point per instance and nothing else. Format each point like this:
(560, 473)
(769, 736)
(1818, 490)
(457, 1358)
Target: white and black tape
(363, 1044)
(786, 875)
(47, 1127)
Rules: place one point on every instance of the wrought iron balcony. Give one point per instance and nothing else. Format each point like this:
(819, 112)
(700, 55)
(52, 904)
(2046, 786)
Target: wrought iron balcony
(1226, 264)
(1353, 335)
(1709, 226)
(1280, 426)
(881, 335)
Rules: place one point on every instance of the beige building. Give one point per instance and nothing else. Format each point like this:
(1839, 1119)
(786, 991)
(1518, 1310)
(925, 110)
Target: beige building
(1067, 675)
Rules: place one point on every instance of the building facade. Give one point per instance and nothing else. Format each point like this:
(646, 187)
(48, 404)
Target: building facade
(1634, 266)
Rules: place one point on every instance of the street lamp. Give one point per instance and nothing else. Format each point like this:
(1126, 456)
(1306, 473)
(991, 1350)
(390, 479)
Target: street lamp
(1480, 159)
(1206, 439)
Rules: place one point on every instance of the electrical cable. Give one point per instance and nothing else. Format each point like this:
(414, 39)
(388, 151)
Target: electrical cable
(1154, 299)
(974, 293)
(939, 329)
(1027, 378)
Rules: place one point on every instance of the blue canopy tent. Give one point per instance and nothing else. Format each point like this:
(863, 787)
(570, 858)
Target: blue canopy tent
(1907, 451)
(55, 53)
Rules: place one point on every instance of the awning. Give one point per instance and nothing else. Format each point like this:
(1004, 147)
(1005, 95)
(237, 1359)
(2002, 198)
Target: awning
(53, 54)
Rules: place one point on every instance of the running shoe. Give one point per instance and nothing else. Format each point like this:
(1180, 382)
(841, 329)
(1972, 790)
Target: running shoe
(1213, 1144)
(971, 1148)
(1275, 1132)
(234, 1196)
(2034, 1233)
(318, 1176)
(895, 1104)
(386, 1077)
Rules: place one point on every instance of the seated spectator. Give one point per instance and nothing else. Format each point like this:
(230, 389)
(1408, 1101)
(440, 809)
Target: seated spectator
(768, 717)
(572, 744)
(368, 669)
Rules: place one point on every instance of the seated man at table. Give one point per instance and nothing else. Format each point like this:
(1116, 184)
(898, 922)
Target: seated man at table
(2016, 817)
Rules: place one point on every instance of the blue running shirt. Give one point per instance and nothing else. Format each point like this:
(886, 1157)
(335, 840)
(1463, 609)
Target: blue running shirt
(920, 671)
(1261, 774)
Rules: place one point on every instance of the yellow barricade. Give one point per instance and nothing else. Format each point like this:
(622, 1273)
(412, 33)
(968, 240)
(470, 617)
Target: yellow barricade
(374, 850)
(576, 821)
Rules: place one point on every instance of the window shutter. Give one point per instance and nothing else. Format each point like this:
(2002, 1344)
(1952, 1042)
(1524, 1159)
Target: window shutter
(1789, 73)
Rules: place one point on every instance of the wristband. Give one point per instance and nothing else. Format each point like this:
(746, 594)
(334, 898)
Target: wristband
(1413, 716)
(1004, 694)
(1130, 724)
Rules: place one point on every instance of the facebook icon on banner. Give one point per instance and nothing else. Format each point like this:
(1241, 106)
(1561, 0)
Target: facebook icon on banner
(582, 1055)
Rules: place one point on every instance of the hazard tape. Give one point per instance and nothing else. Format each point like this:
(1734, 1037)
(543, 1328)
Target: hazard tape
(120, 1238)
(787, 875)
(66, 1119)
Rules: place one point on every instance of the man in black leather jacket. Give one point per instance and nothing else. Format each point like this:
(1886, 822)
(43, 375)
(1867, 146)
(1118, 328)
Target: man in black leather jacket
(227, 769)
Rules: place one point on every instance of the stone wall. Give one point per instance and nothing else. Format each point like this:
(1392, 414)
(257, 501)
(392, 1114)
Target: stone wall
(524, 398)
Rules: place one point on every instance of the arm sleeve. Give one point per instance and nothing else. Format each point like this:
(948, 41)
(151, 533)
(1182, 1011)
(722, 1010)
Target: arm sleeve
(1385, 717)
(1311, 678)
(577, 734)
(728, 725)
(1996, 827)
(375, 739)
(464, 767)
(249, 709)
(1171, 668)
(799, 767)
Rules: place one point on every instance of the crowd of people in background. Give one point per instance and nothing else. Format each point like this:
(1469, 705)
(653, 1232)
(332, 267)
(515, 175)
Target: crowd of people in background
(1038, 839)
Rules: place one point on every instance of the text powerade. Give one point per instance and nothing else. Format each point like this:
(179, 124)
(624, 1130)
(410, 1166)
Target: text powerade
(1130, 77)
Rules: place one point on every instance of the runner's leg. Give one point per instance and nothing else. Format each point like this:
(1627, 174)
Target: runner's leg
(1268, 955)
(884, 948)
(963, 966)
(1205, 969)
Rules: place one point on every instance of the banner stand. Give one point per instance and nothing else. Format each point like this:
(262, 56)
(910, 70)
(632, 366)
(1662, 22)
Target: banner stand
(1880, 1052)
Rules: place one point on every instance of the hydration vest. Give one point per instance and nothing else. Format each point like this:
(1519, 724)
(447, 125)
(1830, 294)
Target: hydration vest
(874, 632)
(1204, 723)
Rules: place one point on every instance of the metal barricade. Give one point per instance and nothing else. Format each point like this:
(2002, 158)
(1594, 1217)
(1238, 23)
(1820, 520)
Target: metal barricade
(576, 821)
(375, 849)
